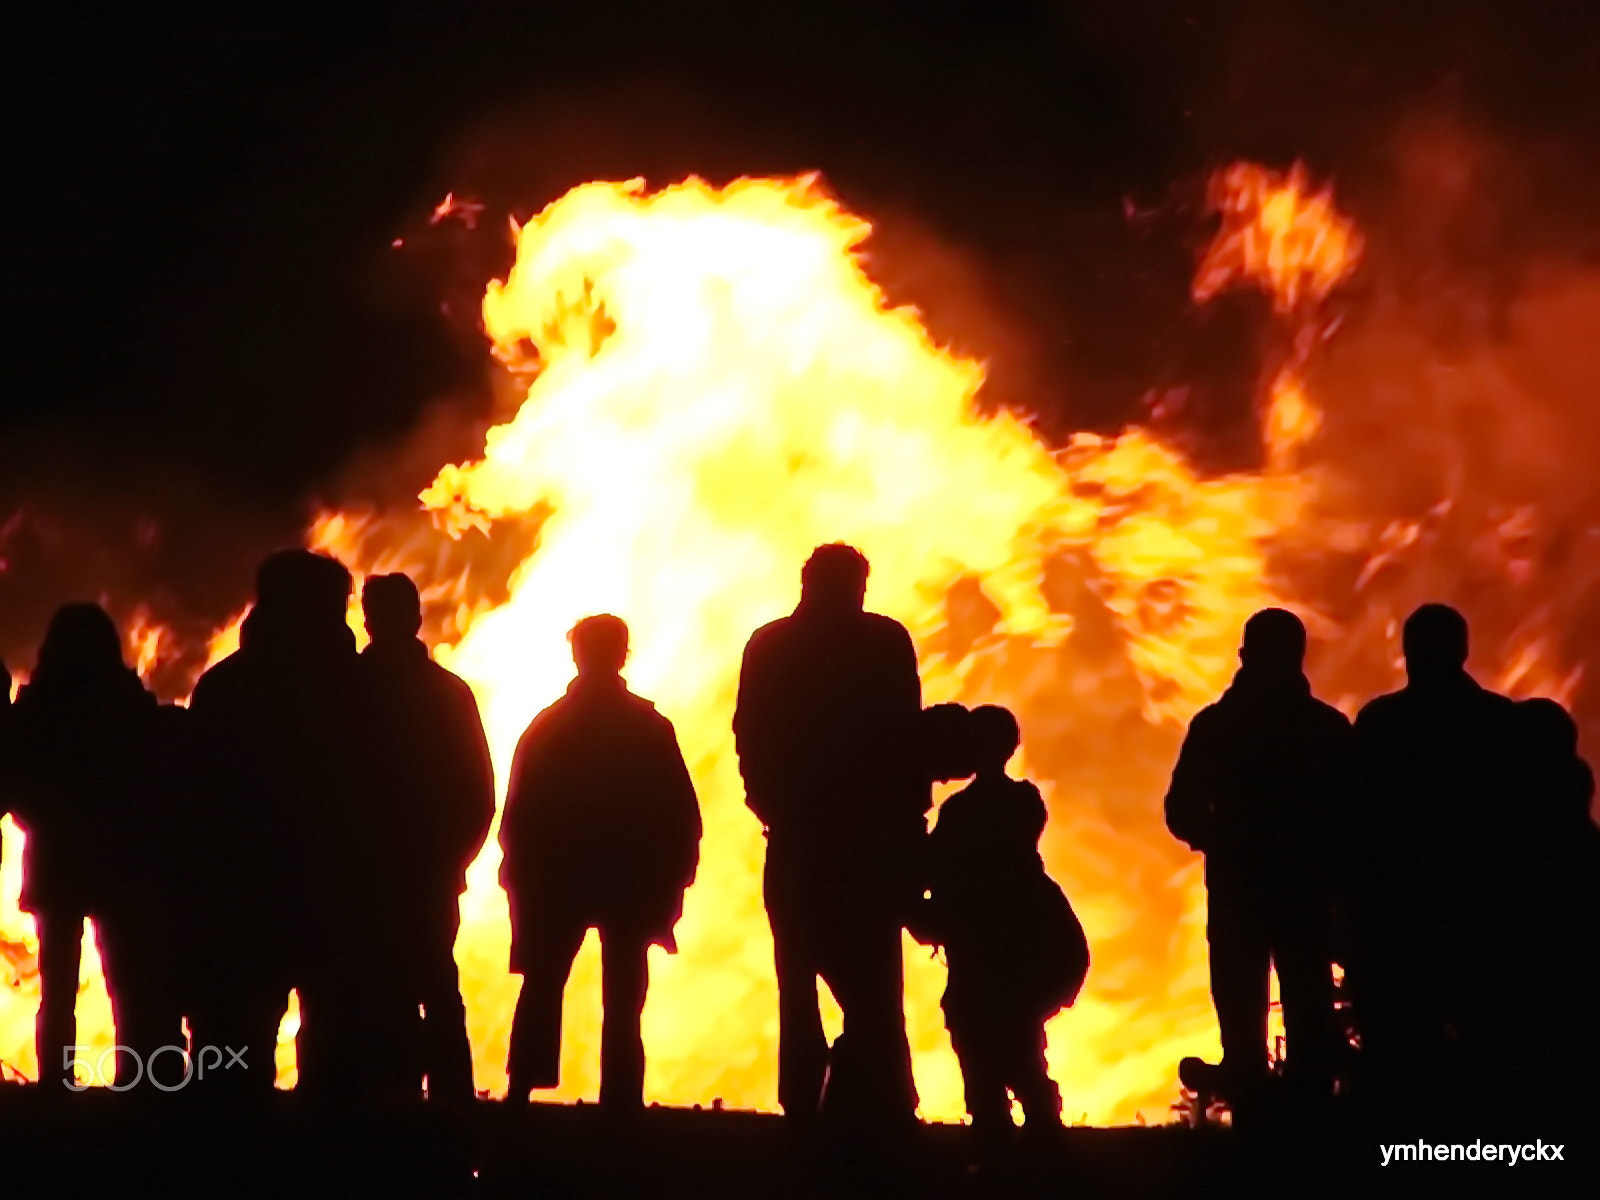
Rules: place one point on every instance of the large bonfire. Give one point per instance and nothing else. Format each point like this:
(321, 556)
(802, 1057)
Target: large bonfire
(717, 386)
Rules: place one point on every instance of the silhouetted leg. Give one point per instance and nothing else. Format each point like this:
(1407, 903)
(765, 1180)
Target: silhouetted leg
(1305, 985)
(146, 1016)
(234, 1038)
(60, 958)
(447, 1052)
(625, 978)
(535, 1053)
(359, 1038)
(1029, 1077)
(1240, 983)
(870, 1070)
(982, 1075)
(802, 1047)
(1401, 1030)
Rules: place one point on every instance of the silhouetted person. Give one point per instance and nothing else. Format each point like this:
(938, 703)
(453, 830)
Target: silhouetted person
(1258, 788)
(304, 877)
(8, 764)
(1560, 783)
(84, 726)
(601, 831)
(1553, 860)
(826, 729)
(944, 734)
(1435, 807)
(1015, 950)
(439, 784)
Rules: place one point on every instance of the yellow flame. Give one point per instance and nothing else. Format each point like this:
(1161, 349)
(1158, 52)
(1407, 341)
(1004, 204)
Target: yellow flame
(717, 387)
(720, 388)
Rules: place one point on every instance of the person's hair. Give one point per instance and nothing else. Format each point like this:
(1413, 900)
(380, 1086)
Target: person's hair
(1434, 639)
(995, 735)
(307, 584)
(942, 731)
(391, 605)
(835, 572)
(81, 638)
(1550, 723)
(600, 643)
(1274, 637)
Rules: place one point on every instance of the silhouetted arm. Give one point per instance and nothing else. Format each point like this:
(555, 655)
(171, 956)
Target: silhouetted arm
(902, 698)
(753, 720)
(514, 821)
(7, 766)
(926, 923)
(905, 675)
(25, 766)
(1188, 802)
(683, 810)
(1336, 795)
(475, 795)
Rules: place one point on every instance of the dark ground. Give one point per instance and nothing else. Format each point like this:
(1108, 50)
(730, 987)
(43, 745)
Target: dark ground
(107, 1145)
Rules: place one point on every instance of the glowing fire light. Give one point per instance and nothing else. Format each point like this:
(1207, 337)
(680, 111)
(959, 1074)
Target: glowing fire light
(720, 388)
(1278, 232)
(717, 387)
(466, 211)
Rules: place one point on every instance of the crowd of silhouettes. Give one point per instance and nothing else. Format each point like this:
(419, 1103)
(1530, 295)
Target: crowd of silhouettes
(306, 823)
(1439, 849)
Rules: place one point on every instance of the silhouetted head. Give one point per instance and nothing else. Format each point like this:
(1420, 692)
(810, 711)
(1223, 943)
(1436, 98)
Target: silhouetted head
(1550, 727)
(297, 587)
(834, 578)
(391, 608)
(1434, 639)
(944, 730)
(995, 737)
(80, 640)
(599, 645)
(1274, 640)
(5, 684)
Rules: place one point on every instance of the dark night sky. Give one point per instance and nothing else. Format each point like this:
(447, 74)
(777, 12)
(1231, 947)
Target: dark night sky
(205, 323)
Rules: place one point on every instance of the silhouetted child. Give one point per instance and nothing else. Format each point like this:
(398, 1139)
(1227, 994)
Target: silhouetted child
(1016, 952)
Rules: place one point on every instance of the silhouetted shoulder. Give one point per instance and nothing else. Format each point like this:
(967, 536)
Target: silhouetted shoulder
(652, 716)
(771, 632)
(458, 686)
(887, 626)
(1380, 709)
(544, 720)
(1330, 716)
(216, 680)
(646, 709)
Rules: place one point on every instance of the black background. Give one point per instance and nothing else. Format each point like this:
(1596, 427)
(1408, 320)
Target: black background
(206, 325)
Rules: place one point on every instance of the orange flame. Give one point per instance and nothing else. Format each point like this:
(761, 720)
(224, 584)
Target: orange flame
(720, 387)
(1279, 233)
(714, 386)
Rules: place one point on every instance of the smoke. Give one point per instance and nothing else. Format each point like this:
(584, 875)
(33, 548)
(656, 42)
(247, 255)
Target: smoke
(1455, 458)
